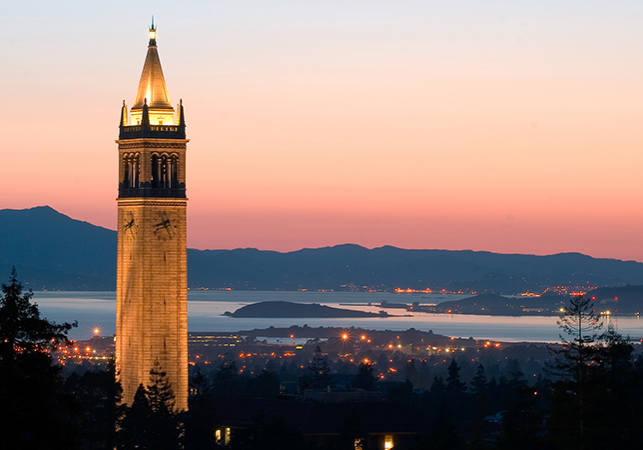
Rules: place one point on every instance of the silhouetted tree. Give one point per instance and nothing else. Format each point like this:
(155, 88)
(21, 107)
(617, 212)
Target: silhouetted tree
(159, 391)
(479, 382)
(454, 385)
(133, 428)
(574, 366)
(424, 376)
(523, 420)
(200, 421)
(619, 391)
(150, 423)
(364, 378)
(495, 396)
(34, 413)
(479, 410)
(227, 380)
(443, 433)
(164, 428)
(595, 398)
(433, 400)
(98, 397)
(318, 373)
(513, 374)
(411, 372)
(438, 388)
(455, 395)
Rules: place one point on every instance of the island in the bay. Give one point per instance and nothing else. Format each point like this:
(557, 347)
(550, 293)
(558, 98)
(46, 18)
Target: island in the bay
(287, 310)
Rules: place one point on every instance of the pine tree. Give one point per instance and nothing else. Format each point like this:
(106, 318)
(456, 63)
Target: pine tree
(522, 421)
(424, 376)
(411, 372)
(619, 392)
(364, 378)
(454, 386)
(479, 390)
(574, 366)
(133, 428)
(319, 371)
(479, 382)
(514, 375)
(164, 429)
(227, 381)
(34, 413)
(438, 388)
(98, 397)
(159, 392)
(581, 326)
(444, 433)
(151, 423)
(433, 399)
(200, 420)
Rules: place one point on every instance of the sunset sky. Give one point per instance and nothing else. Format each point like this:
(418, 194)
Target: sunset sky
(508, 126)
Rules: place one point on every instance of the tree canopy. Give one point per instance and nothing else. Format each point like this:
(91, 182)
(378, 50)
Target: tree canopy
(34, 412)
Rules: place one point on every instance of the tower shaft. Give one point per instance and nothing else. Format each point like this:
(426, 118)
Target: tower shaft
(151, 287)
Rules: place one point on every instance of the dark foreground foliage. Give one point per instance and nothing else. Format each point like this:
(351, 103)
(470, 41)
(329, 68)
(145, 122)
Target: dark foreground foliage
(35, 413)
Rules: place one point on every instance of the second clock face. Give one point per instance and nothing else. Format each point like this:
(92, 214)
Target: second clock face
(165, 225)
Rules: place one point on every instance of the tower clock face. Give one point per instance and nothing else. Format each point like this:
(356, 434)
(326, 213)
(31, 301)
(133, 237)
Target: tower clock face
(130, 226)
(165, 225)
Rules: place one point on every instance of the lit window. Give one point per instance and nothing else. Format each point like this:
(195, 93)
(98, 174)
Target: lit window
(388, 442)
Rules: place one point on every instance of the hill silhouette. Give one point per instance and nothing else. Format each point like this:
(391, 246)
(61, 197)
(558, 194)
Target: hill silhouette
(619, 300)
(53, 251)
(497, 305)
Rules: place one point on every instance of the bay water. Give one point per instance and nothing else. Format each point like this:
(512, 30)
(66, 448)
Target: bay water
(206, 308)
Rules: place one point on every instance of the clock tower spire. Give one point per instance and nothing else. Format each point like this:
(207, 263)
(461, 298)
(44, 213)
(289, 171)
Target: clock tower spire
(151, 289)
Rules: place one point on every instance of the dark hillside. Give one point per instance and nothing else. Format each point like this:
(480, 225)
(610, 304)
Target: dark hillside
(53, 251)
(619, 300)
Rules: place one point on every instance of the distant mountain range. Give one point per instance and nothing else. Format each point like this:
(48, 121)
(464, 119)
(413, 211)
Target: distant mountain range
(52, 251)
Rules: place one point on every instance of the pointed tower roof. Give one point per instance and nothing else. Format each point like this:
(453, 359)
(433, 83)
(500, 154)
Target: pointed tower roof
(152, 85)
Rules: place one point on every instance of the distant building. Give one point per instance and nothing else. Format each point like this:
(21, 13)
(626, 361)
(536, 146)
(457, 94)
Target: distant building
(151, 292)
(197, 340)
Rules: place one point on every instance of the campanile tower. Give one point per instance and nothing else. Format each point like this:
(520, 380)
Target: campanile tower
(151, 290)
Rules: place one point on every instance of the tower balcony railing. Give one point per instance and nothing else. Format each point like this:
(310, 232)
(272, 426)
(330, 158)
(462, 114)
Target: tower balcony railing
(146, 191)
(152, 131)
